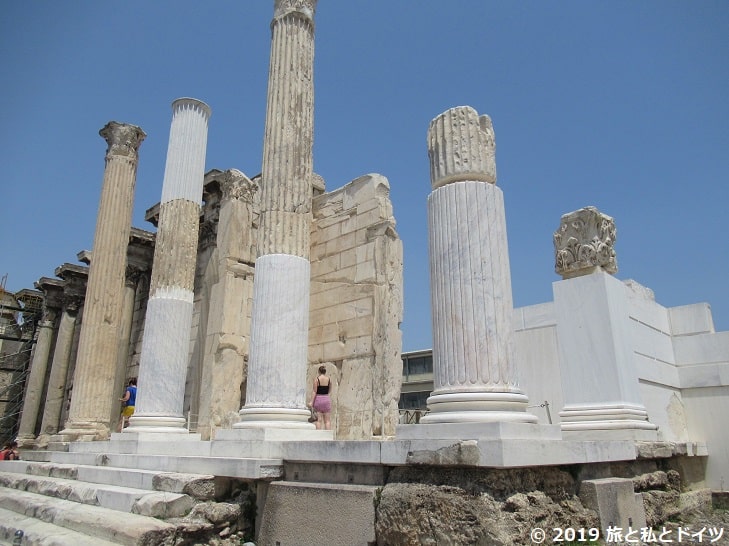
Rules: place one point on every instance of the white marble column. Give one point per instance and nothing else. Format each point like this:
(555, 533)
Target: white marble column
(37, 376)
(475, 377)
(163, 361)
(276, 388)
(96, 361)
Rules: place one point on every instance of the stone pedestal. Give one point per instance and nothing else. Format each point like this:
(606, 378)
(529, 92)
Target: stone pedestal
(599, 379)
(165, 347)
(475, 377)
(93, 385)
(276, 390)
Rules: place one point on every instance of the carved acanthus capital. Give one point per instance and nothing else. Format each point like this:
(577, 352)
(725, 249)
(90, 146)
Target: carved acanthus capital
(123, 139)
(49, 317)
(236, 185)
(584, 243)
(306, 8)
(461, 147)
(132, 274)
(72, 303)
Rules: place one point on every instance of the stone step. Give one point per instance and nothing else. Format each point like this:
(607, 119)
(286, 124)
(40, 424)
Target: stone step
(234, 467)
(113, 497)
(37, 532)
(200, 486)
(94, 521)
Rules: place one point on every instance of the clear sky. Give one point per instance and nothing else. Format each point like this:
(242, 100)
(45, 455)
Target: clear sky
(622, 105)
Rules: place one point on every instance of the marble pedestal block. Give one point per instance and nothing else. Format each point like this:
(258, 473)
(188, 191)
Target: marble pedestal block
(599, 378)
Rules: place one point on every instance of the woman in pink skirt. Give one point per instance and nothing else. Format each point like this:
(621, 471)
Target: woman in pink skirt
(321, 402)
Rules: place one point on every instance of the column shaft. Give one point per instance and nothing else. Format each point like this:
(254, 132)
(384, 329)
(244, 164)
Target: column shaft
(276, 389)
(163, 362)
(34, 387)
(475, 378)
(55, 394)
(93, 385)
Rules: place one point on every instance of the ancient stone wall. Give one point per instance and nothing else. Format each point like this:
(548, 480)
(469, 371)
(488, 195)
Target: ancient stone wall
(356, 306)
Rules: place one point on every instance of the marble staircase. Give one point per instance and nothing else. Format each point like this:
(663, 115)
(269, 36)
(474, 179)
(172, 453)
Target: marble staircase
(58, 504)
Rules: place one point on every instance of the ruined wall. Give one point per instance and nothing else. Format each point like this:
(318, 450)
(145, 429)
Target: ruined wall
(356, 306)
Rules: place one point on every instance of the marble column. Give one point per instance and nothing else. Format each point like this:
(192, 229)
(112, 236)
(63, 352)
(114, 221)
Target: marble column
(165, 347)
(276, 388)
(38, 368)
(55, 394)
(475, 377)
(96, 361)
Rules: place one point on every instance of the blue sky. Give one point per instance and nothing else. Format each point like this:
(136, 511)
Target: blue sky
(621, 105)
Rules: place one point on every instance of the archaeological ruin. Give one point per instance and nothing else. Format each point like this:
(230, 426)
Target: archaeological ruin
(601, 409)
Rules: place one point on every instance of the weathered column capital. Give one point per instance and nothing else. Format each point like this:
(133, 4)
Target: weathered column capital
(584, 243)
(305, 8)
(461, 147)
(123, 139)
(237, 186)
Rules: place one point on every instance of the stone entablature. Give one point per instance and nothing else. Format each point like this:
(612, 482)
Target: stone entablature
(584, 243)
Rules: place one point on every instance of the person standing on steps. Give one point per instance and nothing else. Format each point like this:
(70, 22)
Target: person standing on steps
(321, 402)
(128, 401)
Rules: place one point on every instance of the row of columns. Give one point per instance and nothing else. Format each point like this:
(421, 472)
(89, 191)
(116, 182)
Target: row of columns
(475, 375)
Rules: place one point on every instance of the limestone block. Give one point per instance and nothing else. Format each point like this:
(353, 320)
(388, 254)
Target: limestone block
(201, 487)
(350, 513)
(163, 505)
(615, 502)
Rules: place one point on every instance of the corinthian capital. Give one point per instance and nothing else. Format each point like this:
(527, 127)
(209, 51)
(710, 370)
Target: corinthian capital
(302, 7)
(236, 185)
(123, 139)
(461, 147)
(584, 243)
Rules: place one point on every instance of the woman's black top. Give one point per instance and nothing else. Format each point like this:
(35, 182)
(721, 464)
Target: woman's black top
(321, 389)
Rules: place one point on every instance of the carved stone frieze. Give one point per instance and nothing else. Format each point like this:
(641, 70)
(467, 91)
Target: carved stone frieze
(236, 185)
(584, 243)
(123, 139)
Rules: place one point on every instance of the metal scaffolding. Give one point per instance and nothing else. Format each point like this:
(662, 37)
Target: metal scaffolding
(20, 314)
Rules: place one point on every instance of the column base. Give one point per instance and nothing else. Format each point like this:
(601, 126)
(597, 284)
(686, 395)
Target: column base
(83, 431)
(605, 417)
(156, 423)
(255, 417)
(478, 407)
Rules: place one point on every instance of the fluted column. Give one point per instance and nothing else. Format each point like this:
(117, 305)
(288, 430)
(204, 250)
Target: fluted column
(96, 362)
(55, 393)
(163, 362)
(475, 378)
(276, 389)
(37, 376)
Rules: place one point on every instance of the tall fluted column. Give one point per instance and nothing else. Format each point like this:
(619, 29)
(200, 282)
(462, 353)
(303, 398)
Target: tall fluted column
(163, 362)
(473, 350)
(96, 362)
(276, 389)
(55, 393)
(37, 376)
